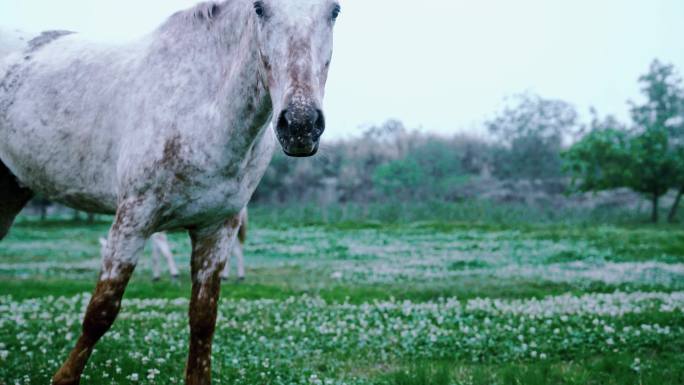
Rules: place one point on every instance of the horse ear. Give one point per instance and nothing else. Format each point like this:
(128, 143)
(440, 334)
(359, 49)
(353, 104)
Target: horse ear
(215, 10)
(208, 11)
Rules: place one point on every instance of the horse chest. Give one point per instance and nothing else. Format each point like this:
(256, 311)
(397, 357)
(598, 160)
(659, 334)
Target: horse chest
(204, 200)
(196, 195)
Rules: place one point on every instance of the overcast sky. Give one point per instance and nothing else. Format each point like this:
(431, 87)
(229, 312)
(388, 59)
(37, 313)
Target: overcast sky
(443, 65)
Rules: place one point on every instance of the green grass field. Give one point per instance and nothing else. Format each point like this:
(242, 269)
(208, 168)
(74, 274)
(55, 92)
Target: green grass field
(348, 303)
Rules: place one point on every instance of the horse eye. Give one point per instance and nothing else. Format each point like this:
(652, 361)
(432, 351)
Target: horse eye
(259, 9)
(336, 12)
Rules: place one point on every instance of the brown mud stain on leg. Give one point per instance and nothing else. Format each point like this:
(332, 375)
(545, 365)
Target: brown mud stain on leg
(102, 310)
(207, 265)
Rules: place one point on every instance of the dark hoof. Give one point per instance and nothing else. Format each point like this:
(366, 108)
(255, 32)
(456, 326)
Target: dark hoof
(241, 279)
(61, 379)
(156, 279)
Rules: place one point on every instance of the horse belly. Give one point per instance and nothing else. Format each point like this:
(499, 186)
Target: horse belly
(62, 165)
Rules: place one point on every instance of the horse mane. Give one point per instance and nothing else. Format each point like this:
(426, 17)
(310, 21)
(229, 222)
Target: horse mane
(45, 38)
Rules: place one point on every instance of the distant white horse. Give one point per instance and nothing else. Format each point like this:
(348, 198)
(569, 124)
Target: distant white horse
(160, 246)
(238, 249)
(170, 132)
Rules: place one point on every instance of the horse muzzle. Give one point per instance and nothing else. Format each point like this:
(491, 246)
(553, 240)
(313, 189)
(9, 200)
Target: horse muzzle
(299, 129)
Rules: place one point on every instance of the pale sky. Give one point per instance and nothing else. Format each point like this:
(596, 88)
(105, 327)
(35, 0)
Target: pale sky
(443, 65)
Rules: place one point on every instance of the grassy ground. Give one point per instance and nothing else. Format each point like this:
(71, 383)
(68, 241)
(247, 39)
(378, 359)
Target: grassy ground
(368, 303)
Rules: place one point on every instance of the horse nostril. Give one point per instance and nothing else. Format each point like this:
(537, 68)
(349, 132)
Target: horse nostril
(283, 121)
(319, 126)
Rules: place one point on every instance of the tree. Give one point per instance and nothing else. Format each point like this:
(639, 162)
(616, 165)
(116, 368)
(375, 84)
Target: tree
(664, 94)
(678, 158)
(652, 167)
(398, 178)
(530, 136)
(610, 157)
(440, 165)
(663, 114)
(648, 158)
(429, 168)
(601, 160)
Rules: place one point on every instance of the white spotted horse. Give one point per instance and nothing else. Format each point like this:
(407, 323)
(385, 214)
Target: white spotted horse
(172, 131)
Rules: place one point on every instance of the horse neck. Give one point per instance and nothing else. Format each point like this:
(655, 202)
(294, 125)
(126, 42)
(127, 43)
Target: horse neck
(225, 60)
(243, 88)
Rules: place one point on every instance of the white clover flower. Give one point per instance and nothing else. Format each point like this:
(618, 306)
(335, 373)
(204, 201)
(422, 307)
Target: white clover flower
(152, 373)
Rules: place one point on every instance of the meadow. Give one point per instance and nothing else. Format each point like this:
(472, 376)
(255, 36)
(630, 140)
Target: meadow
(331, 301)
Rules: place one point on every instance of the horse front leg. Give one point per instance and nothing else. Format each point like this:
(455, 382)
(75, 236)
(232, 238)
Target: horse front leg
(210, 248)
(119, 258)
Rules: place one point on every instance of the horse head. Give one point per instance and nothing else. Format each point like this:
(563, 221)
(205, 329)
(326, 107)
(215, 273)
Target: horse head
(295, 41)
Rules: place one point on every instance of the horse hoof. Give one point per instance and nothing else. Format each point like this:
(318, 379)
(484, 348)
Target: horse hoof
(241, 279)
(60, 379)
(65, 382)
(155, 279)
